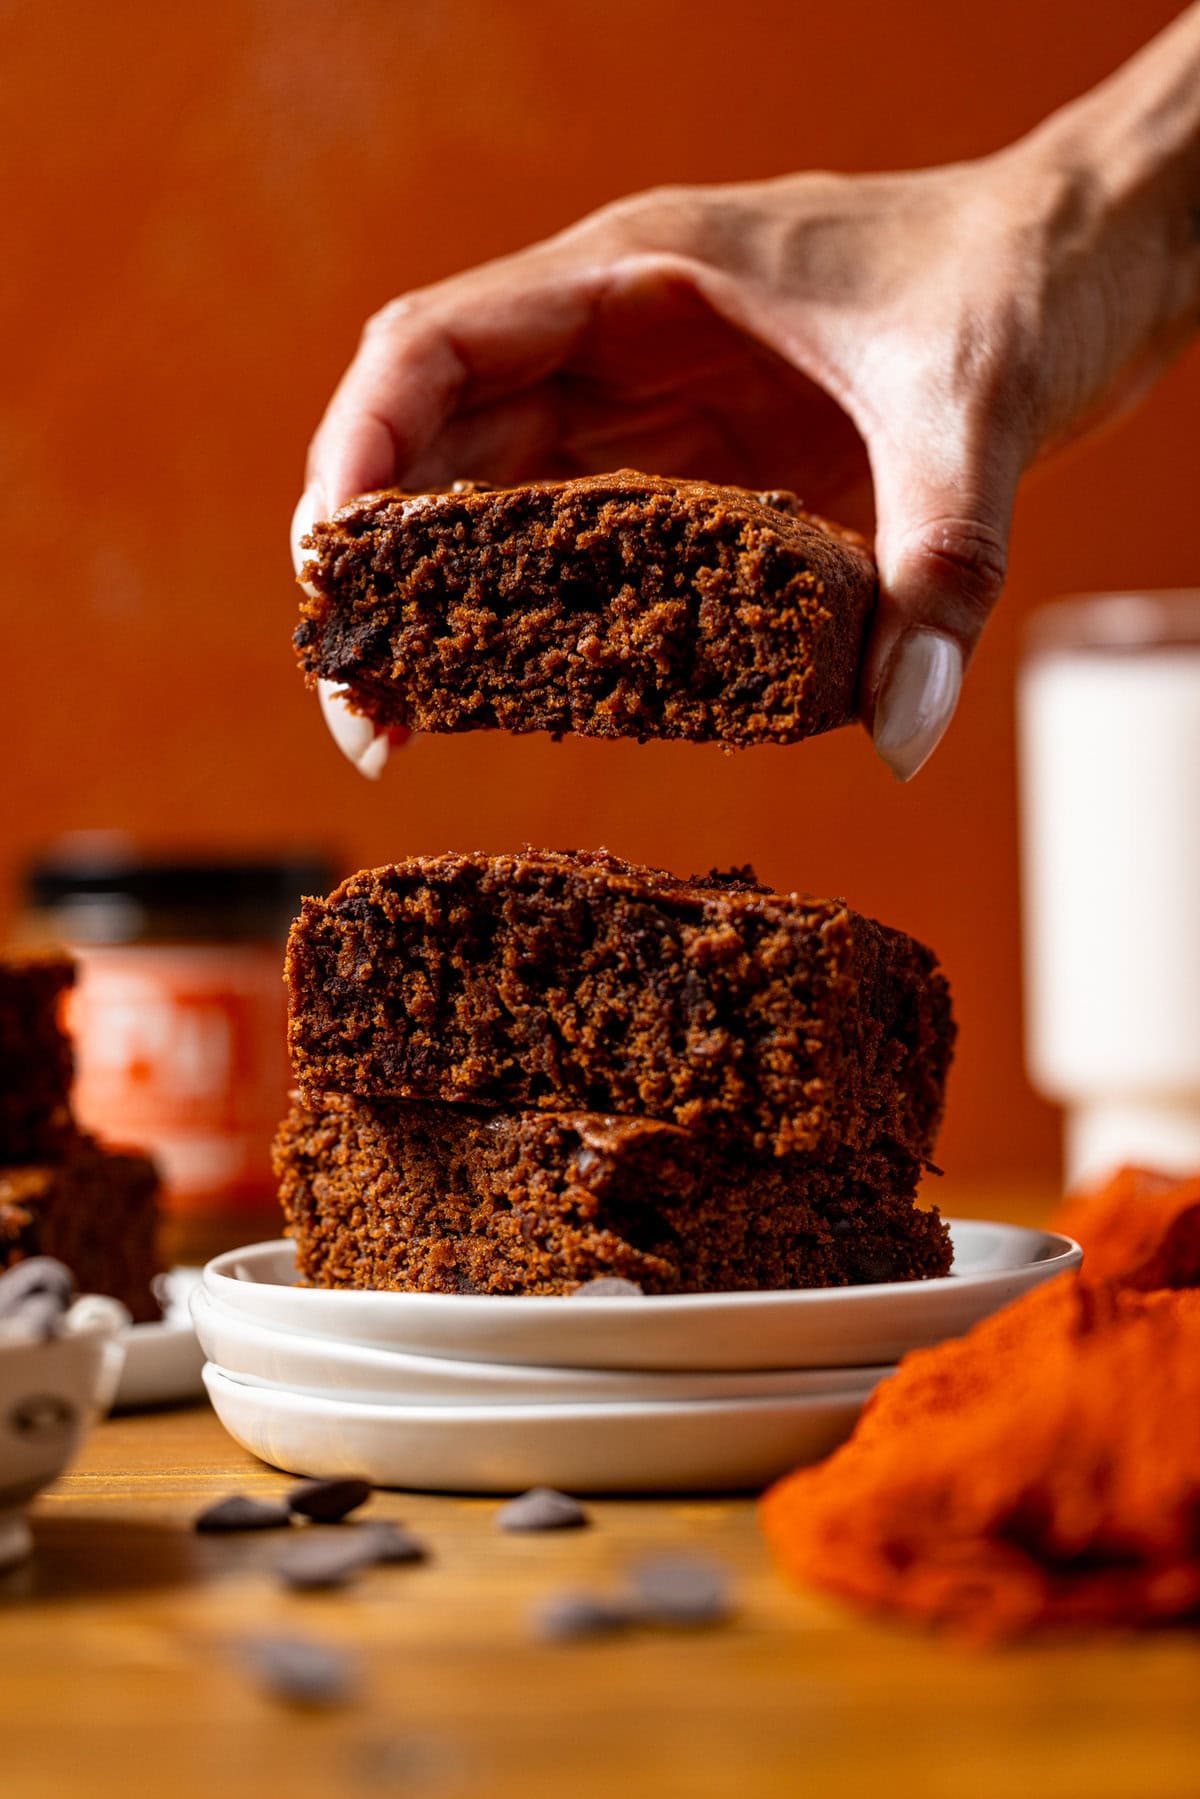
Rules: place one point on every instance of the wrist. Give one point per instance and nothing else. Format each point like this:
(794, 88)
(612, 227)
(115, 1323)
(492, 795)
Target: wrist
(1123, 162)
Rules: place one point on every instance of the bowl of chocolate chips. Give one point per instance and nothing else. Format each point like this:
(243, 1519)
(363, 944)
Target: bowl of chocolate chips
(60, 1361)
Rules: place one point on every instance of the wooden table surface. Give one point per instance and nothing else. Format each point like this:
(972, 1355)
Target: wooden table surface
(121, 1670)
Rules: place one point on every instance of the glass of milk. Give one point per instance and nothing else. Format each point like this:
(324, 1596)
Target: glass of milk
(1109, 749)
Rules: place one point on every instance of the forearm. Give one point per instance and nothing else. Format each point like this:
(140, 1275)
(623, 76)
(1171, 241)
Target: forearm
(1146, 116)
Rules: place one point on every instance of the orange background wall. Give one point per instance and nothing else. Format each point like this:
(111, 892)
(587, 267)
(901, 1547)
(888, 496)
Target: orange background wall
(201, 206)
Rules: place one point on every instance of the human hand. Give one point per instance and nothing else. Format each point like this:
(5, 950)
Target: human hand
(897, 348)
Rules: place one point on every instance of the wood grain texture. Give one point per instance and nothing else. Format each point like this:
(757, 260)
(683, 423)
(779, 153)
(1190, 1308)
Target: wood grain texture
(119, 1649)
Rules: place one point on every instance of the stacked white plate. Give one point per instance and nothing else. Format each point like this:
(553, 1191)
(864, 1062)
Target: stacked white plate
(475, 1394)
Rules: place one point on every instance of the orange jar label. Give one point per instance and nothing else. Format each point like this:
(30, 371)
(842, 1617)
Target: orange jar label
(181, 1049)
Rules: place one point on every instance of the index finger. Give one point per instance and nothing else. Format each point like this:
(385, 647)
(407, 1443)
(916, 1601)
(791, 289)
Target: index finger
(424, 358)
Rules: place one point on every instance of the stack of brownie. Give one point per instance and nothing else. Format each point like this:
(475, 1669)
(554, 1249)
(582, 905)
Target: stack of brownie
(523, 1073)
(62, 1194)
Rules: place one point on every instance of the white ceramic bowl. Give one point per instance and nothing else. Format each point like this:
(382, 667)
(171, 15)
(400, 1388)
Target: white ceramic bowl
(50, 1396)
(699, 1446)
(256, 1353)
(825, 1327)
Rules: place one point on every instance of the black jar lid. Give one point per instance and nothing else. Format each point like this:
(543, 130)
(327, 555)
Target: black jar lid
(100, 888)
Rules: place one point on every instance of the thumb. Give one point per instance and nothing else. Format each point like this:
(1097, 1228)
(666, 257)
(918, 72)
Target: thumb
(943, 512)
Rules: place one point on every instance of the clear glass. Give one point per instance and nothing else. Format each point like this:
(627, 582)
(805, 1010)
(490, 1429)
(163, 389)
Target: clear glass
(1109, 745)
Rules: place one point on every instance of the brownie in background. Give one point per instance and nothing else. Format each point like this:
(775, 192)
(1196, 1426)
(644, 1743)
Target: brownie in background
(96, 1211)
(35, 1055)
(62, 1193)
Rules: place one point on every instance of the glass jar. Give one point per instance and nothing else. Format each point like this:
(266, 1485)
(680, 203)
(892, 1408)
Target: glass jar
(1109, 737)
(179, 1016)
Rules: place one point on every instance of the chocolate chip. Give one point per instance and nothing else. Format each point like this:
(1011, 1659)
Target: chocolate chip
(542, 1508)
(41, 1416)
(38, 1282)
(331, 1558)
(302, 1672)
(681, 1591)
(36, 1320)
(393, 1542)
(607, 1286)
(574, 1617)
(326, 1558)
(239, 1512)
(868, 1269)
(328, 1501)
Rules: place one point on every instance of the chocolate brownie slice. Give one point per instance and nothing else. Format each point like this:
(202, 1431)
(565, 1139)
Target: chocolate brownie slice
(620, 605)
(97, 1211)
(35, 1055)
(579, 982)
(455, 1199)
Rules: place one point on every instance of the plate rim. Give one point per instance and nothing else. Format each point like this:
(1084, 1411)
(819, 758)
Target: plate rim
(613, 1411)
(346, 1353)
(1061, 1259)
(468, 1368)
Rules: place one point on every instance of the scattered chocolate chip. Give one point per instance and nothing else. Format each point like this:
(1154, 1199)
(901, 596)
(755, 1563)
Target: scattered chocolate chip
(680, 1591)
(542, 1508)
(328, 1501)
(607, 1286)
(41, 1416)
(240, 1512)
(392, 1542)
(302, 1672)
(574, 1617)
(327, 1558)
(412, 1763)
(36, 1290)
(36, 1320)
(868, 1269)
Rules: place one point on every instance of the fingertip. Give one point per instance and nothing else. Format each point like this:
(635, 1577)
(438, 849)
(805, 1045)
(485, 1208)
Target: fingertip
(357, 737)
(310, 508)
(350, 730)
(374, 758)
(917, 695)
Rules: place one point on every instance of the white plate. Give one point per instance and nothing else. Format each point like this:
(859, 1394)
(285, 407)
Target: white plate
(257, 1354)
(163, 1360)
(701, 1446)
(823, 1327)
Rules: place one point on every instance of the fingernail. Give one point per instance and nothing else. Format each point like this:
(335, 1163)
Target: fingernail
(917, 699)
(309, 508)
(354, 735)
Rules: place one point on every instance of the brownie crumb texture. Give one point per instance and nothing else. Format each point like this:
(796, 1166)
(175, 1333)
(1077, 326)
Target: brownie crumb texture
(571, 982)
(617, 605)
(456, 1199)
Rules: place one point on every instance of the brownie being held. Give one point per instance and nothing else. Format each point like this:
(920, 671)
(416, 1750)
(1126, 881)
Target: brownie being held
(619, 605)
